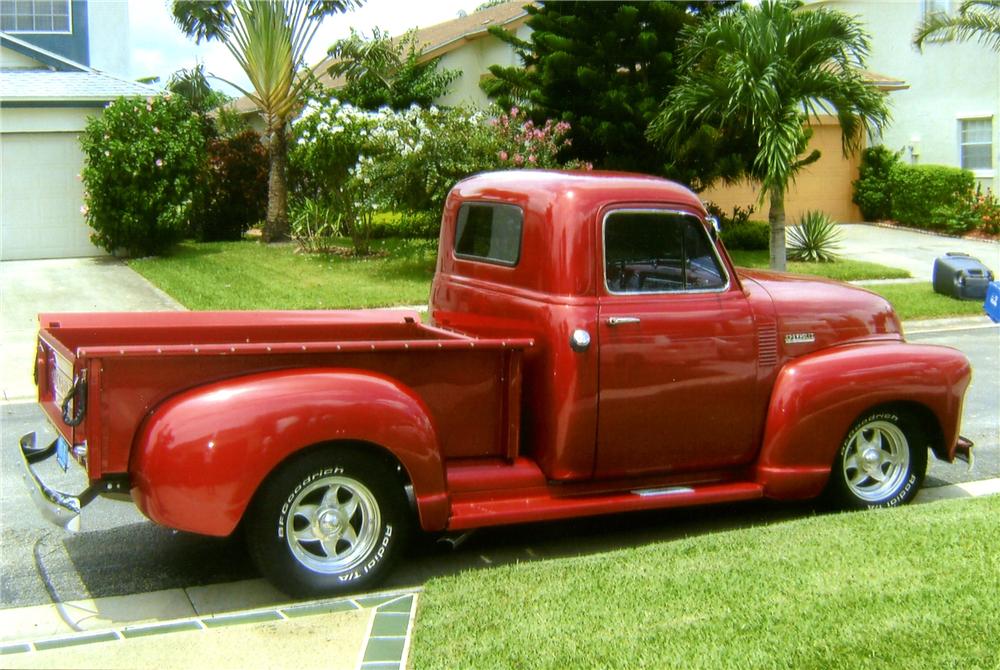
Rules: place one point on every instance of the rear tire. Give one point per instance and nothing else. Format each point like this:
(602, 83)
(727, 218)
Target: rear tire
(328, 522)
(881, 463)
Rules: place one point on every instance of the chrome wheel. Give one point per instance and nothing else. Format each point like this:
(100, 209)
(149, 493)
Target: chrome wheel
(333, 524)
(876, 461)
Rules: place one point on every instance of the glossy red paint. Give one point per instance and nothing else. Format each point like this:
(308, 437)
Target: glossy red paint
(191, 455)
(817, 398)
(729, 394)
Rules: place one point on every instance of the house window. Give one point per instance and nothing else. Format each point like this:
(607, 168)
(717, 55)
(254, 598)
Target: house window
(936, 6)
(976, 143)
(35, 16)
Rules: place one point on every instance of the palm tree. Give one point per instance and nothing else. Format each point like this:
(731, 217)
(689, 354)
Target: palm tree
(976, 20)
(268, 38)
(756, 78)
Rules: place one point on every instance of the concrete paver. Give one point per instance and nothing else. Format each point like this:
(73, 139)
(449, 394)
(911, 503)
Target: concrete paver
(361, 632)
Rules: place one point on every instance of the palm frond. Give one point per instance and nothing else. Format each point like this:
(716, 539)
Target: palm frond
(976, 20)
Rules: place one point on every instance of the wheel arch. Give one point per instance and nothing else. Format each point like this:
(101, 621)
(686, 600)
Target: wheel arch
(201, 456)
(809, 414)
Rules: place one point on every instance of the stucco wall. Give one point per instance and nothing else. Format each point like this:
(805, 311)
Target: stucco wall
(825, 185)
(473, 60)
(947, 82)
(109, 36)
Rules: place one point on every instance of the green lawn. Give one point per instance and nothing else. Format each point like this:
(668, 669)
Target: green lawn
(842, 270)
(917, 587)
(249, 275)
(919, 301)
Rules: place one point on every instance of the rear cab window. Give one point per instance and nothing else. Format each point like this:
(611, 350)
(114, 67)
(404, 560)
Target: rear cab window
(489, 232)
(658, 251)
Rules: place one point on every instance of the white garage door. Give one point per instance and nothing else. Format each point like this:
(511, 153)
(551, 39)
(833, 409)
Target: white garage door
(40, 197)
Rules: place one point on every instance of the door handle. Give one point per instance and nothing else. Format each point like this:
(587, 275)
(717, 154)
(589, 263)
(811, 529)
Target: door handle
(622, 320)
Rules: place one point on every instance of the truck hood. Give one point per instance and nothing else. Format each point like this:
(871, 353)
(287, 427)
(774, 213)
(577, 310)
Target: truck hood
(812, 313)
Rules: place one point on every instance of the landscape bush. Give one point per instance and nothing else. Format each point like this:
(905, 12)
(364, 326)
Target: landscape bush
(931, 196)
(143, 159)
(361, 163)
(750, 235)
(872, 193)
(235, 187)
(814, 239)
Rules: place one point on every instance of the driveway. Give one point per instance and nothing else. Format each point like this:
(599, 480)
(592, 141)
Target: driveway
(910, 250)
(63, 285)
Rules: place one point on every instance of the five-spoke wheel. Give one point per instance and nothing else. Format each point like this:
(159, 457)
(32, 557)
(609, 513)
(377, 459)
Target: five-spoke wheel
(327, 522)
(881, 462)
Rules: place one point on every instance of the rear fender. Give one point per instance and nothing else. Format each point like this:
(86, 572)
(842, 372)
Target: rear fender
(200, 456)
(818, 397)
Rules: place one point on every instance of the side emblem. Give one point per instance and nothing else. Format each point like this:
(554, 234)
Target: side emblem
(800, 338)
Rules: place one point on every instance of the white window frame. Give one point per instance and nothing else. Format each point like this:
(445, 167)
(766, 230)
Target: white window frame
(69, 10)
(929, 7)
(978, 172)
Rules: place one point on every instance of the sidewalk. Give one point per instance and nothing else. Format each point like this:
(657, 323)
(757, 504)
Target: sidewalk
(366, 632)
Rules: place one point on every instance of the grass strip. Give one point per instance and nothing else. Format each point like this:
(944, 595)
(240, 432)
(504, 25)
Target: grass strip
(841, 270)
(249, 275)
(916, 587)
(919, 301)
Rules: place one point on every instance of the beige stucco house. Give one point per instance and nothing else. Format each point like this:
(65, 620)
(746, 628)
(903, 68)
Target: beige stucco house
(945, 104)
(949, 113)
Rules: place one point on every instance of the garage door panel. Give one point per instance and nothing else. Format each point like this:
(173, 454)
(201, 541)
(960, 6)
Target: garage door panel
(40, 214)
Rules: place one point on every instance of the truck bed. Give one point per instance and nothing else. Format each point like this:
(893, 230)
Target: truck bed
(133, 362)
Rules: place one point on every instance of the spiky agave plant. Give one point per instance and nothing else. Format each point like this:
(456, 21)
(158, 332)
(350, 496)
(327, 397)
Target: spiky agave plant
(814, 239)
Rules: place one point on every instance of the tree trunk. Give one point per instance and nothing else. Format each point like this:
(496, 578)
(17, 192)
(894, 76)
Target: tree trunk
(776, 217)
(276, 226)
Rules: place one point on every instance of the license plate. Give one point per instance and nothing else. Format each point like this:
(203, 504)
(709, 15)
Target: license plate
(62, 454)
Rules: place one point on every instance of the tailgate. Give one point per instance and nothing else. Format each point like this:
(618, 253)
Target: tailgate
(62, 389)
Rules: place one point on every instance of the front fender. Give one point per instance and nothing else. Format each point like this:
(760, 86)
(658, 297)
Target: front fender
(818, 397)
(200, 456)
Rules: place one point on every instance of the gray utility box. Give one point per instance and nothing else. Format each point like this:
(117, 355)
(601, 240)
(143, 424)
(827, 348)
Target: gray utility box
(961, 276)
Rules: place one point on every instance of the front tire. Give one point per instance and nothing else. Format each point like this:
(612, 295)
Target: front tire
(328, 522)
(881, 463)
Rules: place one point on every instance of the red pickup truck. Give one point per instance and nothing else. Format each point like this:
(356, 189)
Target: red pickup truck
(590, 349)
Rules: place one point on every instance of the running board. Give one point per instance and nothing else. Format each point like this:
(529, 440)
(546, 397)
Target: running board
(546, 507)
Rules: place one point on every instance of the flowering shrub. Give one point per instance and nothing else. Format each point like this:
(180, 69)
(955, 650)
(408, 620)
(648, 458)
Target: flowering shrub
(523, 144)
(985, 209)
(359, 161)
(141, 173)
(235, 180)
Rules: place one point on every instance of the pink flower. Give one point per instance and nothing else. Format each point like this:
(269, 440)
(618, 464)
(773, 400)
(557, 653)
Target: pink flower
(518, 159)
(159, 162)
(532, 159)
(503, 155)
(514, 111)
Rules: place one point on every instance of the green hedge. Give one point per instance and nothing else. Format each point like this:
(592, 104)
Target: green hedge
(921, 194)
(748, 235)
(871, 188)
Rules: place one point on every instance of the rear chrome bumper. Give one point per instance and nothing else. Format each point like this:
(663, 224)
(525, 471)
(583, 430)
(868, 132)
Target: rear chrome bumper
(963, 451)
(62, 509)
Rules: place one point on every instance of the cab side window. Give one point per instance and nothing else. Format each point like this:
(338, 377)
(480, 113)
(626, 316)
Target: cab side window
(489, 232)
(659, 251)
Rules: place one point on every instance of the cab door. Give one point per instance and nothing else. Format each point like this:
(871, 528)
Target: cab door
(677, 354)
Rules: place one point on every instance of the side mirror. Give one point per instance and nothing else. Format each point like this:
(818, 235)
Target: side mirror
(714, 227)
